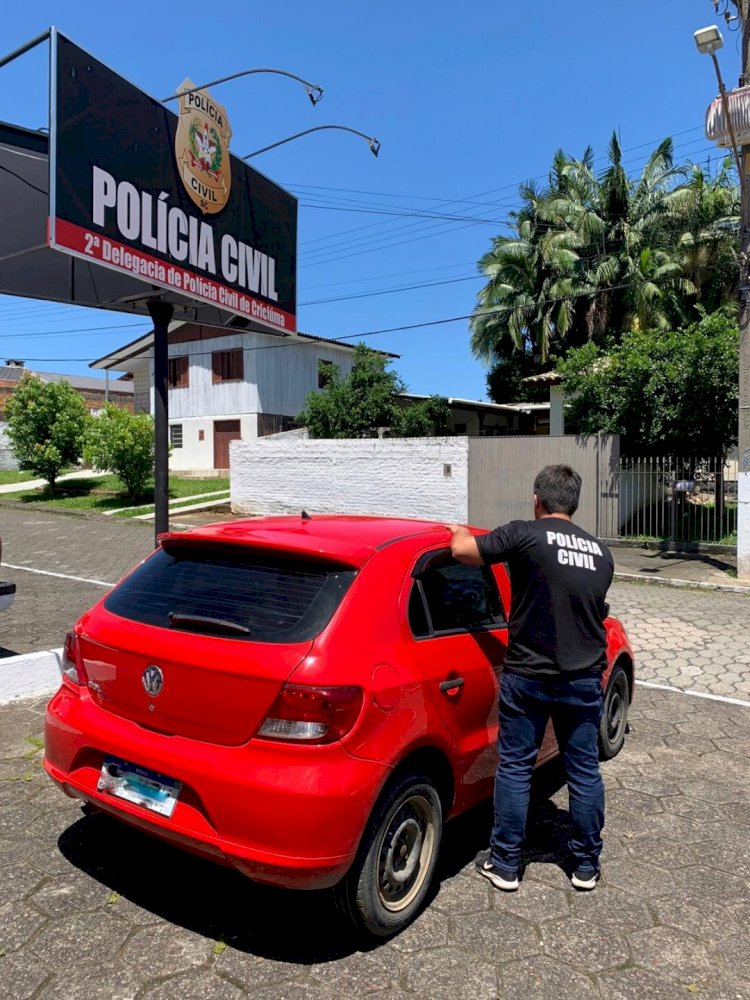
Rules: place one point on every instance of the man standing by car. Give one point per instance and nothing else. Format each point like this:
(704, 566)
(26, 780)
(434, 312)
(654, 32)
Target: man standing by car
(559, 575)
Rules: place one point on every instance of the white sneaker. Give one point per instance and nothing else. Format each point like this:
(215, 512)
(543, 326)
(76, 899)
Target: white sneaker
(500, 879)
(585, 881)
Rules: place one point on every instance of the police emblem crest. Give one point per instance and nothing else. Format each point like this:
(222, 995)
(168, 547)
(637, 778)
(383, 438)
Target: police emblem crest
(202, 149)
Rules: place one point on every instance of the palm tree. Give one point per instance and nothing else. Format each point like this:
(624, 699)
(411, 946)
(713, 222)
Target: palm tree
(706, 211)
(595, 254)
(527, 295)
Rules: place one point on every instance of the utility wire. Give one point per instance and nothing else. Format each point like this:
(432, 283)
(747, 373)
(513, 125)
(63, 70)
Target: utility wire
(297, 342)
(395, 230)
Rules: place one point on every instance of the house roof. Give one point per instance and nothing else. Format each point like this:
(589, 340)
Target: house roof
(84, 383)
(544, 378)
(478, 404)
(118, 358)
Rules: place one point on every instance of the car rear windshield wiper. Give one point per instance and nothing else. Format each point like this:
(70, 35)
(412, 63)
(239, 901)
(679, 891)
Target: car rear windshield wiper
(208, 623)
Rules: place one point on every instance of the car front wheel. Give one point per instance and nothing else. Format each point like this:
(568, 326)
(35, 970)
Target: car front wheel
(388, 882)
(613, 722)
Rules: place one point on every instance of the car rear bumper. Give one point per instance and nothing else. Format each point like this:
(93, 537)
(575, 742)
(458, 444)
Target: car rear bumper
(287, 815)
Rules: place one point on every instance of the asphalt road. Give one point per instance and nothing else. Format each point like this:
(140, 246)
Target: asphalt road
(84, 556)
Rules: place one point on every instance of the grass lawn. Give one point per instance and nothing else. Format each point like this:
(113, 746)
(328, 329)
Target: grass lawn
(687, 523)
(106, 493)
(8, 476)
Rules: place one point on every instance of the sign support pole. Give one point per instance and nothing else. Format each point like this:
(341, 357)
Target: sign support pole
(161, 314)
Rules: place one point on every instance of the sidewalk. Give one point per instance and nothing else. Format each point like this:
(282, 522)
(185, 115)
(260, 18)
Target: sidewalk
(701, 569)
(38, 484)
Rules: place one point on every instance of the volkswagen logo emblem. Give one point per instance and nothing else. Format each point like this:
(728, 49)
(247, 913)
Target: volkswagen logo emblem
(153, 680)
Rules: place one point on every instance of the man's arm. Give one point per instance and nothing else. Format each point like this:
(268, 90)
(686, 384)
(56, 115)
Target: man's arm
(464, 547)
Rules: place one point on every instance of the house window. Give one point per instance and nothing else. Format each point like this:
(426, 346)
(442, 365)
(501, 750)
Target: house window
(325, 372)
(175, 435)
(227, 366)
(274, 423)
(179, 373)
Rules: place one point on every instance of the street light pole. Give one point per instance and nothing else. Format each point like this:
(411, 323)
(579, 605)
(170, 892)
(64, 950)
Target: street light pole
(313, 91)
(708, 41)
(743, 435)
(372, 142)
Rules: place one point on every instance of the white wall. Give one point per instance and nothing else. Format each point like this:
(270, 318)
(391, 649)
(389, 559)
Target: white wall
(407, 477)
(196, 454)
(7, 458)
(279, 372)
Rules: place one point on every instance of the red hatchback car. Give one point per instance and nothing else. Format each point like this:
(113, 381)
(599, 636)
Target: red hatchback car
(304, 698)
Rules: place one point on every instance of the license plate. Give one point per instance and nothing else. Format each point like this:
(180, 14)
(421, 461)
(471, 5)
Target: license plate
(138, 785)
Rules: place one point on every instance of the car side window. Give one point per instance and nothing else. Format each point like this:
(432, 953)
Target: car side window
(448, 596)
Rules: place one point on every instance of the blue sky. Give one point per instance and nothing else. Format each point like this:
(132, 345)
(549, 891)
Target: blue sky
(467, 100)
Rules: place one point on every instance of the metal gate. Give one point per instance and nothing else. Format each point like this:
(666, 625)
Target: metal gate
(670, 499)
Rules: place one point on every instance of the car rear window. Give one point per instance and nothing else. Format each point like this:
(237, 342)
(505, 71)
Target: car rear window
(234, 594)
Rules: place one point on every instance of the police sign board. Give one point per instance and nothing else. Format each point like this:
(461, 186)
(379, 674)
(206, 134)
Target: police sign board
(158, 196)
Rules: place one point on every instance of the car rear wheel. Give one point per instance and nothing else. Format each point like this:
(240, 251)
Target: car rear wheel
(388, 882)
(613, 722)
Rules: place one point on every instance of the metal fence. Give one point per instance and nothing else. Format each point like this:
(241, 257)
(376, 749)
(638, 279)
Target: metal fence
(670, 499)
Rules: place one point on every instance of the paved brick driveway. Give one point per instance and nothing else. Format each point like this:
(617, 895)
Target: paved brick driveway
(89, 909)
(691, 639)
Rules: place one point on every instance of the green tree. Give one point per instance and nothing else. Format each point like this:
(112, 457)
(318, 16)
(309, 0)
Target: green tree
(505, 378)
(122, 443)
(46, 426)
(596, 254)
(665, 392)
(426, 418)
(706, 213)
(368, 398)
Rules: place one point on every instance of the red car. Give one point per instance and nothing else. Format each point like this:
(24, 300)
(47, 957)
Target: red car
(307, 699)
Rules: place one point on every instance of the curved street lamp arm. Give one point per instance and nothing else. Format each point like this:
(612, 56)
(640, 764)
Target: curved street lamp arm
(314, 92)
(373, 143)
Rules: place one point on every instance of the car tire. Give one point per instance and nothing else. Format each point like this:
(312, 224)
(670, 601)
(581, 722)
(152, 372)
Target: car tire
(391, 876)
(613, 722)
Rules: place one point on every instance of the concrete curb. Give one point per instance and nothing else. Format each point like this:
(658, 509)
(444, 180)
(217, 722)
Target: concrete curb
(650, 581)
(29, 675)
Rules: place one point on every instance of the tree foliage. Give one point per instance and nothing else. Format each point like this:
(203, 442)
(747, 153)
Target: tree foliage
(505, 378)
(664, 391)
(366, 399)
(122, 443)
(593, 255)
(46, 425)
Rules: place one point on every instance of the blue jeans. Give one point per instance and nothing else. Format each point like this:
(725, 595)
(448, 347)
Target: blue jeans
(526, 705)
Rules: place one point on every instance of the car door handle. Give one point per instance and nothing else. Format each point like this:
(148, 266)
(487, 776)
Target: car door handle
(453, 684)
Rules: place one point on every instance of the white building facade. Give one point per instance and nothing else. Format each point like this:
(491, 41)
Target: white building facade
(227, 385)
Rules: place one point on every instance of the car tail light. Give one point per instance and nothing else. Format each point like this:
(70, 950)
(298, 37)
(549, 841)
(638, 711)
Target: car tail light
(71, 666)
(303, 714)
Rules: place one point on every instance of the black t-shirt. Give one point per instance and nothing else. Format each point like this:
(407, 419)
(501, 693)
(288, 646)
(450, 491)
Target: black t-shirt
(559, 577)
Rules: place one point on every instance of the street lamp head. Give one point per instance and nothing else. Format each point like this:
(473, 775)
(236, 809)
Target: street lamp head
(315, 94)
(374, 146)
(708, 40)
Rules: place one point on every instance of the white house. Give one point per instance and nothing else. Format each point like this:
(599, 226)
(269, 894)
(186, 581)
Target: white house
(226, 385)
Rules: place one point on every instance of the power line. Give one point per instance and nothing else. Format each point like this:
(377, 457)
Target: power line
(58, 333)
(469, 200)
(397, 230)
(426, 231)
(297, 342)
(390, 291)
